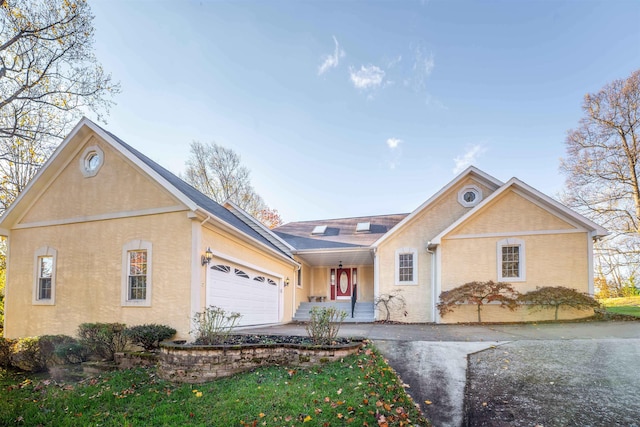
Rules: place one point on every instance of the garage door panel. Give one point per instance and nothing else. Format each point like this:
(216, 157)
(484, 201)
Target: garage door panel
(234, 289)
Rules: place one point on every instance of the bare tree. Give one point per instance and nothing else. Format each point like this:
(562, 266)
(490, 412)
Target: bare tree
(49, 77)
(603, 171)
(217, 172)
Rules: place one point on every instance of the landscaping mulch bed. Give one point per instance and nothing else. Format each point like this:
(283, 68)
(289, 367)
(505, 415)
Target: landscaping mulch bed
(278, 339)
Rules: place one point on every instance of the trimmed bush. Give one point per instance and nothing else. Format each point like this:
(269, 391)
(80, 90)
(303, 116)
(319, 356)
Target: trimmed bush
(28, 355)
(556, 297)
(324, 324)
(103, 339)
(6, 352)
(49, 345)
(72, 353)
(149, 336)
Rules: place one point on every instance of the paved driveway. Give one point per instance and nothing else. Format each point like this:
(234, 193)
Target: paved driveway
(594, 367)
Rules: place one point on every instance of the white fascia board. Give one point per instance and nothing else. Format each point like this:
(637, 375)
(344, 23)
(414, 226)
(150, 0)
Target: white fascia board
(471, 170)
(562, 209)
(331, 250)
(259, 224)
(544, 202)
(43, 169)
(148, 170)
(209, 217)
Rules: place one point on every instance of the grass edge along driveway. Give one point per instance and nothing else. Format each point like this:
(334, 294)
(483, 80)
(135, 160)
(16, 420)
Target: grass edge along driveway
(360, 390)
(625, 305)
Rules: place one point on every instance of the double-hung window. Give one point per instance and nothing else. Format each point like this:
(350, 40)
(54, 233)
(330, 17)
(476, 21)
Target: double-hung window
(511, 260)
(44, 287)
(406, 266)
(45, 274)
(136, 273)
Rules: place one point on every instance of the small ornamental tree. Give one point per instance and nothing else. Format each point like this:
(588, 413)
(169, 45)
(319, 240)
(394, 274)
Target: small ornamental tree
(557, 296)
(391, 302)
(478, 293)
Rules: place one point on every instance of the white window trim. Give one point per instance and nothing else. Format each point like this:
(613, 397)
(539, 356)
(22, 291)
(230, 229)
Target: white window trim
(473, 188)
(299, 278)
(402, 251)
(512, 241)
(84, 160)
(44, 251)
(135, 245)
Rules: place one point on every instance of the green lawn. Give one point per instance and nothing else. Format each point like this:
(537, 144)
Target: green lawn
(626, 305)
(360, 390)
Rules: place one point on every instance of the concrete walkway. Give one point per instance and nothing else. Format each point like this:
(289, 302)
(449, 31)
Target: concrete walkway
(433, 359)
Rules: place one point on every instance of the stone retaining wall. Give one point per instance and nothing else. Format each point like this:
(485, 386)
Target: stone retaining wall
(197, 363)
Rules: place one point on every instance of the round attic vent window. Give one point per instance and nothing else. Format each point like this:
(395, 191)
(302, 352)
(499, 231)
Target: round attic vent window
(91, 161)
(470, 196)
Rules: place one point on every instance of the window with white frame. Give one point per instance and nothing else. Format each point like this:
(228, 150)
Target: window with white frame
(44, 289)
(406, 266)
(511, 260)
(136, 273)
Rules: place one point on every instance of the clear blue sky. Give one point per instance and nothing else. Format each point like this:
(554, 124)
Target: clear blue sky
(358, 108)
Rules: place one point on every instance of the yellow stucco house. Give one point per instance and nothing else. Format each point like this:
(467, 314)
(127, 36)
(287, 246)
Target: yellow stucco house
(105, 234)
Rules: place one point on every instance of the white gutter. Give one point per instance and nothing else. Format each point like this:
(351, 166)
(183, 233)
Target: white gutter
(228, 227)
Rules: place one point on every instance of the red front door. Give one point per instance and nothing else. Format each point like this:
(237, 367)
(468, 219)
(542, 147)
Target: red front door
(343, 283)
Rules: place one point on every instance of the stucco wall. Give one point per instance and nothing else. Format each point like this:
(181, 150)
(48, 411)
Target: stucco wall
(249, 254)
(118, 187)
(556, 253)
(494, 314)
(511, 212)
(550, 260)
(421, 229)
(89, 271)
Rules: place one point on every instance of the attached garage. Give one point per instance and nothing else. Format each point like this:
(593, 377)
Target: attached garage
(252, 293)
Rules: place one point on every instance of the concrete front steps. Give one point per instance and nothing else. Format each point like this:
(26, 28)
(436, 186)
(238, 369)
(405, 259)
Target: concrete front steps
(363, 313)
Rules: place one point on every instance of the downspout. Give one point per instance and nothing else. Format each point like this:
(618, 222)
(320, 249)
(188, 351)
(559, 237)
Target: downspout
(376, 281)
(205, 220)
(431, 248)
(293, 298)
(591, 239)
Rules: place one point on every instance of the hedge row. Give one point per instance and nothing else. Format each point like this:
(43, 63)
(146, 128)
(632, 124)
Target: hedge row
(96, 340)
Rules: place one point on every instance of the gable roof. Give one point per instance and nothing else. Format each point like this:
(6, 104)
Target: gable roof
(259, 227)
(535, 196)
(191, 197)
(471, 171)
(339, 233)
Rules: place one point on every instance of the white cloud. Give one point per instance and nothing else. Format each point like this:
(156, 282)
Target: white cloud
(394, 62)
(395, 151)
(367, 77)
(423, 65)
(468, 158)
(393, 142)
(332, 61)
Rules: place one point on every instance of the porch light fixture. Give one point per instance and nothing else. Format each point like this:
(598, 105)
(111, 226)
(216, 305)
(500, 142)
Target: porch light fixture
(340, 265)
(206, 258)
(286, 282)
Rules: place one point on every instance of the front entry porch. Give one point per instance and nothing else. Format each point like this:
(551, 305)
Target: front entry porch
(363, 312)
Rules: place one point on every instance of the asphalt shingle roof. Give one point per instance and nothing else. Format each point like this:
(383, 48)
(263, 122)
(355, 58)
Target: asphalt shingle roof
(340, 233)
(196, 196)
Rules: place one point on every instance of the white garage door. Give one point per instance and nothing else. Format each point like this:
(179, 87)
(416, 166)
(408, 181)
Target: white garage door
(238, 289)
